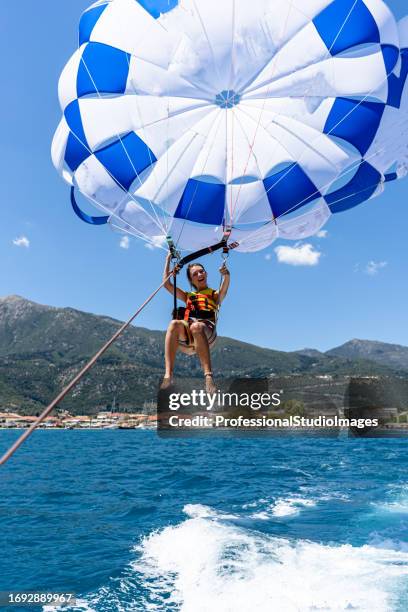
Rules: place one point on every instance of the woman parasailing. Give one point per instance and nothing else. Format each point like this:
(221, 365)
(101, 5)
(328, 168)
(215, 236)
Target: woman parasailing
(193, 328)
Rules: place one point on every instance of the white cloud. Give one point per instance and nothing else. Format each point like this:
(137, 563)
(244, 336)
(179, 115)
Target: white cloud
(268, 257)
(124, 242)
(373, 267)
(21, 241)
(322, 234)
(298, 255)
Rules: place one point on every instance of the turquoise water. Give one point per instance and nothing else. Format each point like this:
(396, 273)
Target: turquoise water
(133, 522)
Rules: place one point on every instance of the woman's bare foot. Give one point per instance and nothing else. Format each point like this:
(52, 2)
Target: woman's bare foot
(209, 383)
(167, 382)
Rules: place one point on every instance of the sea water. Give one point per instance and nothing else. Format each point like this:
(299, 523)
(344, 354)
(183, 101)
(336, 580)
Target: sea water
(130, 521)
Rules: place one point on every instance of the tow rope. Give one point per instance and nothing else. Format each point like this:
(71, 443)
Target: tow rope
(78, 377)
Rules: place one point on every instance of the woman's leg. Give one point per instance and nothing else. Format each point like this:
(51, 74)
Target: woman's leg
(175, 331)
(203, 351)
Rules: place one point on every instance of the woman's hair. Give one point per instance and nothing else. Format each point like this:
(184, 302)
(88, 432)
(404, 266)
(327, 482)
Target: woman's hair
(193, 265)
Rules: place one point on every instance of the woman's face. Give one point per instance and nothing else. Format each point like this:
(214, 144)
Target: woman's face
(198, 277)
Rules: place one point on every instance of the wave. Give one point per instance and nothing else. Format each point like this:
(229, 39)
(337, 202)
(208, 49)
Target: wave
(291, 505)
(286, 506)
(397, 500)
(205, 564)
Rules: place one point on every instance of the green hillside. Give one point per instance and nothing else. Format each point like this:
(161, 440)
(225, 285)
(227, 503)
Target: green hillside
(42, 348)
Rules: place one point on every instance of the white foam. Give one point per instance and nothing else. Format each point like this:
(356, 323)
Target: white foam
(262, 516)
(398, 502)
(207, 564)
(379, 541)
(201, 511)
(282, 507)
(291, 506)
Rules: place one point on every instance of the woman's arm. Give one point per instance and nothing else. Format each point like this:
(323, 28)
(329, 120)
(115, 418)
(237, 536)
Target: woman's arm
(181, 295)
(225, 273)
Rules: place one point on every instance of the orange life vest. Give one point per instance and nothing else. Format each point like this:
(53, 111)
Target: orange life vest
(202, 302)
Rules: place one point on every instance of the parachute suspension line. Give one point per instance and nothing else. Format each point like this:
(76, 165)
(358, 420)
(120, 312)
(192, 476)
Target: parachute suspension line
(328, 54)
(167, 152)
(320, 135)
(162, 223)
(157, 220)
(350, 195)
(348, 170)
(247, 139)
(233, 111)
(351, 168)
(168, 129)
(232, 163)
(79, 376)
(354, 193)
(346, 197)
(164, 219)
(208, 41)
(196, 188)
(138, 233)
(341, 28)
(163, 27)
(252, 144)
(140, 236)
(112, 213)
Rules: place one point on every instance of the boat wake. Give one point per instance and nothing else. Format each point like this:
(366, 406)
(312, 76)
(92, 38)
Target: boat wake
(207, 563)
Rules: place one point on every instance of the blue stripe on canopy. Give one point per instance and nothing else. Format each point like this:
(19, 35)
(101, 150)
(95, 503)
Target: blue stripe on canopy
(88, 21)
(289, 189)
(103, 69)
(157, 7)
(355, 121)
(202, 202)
(396, 84)
(345, 24)
(77, 149)
(360, 188)
(391, 55)
(125, 159)
(391, 176)
(84, 216)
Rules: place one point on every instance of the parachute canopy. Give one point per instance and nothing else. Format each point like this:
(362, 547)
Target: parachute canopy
(185, 117)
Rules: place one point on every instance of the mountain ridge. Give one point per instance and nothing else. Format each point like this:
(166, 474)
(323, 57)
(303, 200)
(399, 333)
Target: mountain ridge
(394, 355)
(42, 347)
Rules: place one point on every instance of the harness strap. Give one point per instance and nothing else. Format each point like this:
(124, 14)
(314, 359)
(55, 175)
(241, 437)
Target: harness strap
(211, 249)
(181, 262)
(174, 296)
(175, 255)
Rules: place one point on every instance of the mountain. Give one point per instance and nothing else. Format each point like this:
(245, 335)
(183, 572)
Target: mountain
(391, 355)
(42, 348)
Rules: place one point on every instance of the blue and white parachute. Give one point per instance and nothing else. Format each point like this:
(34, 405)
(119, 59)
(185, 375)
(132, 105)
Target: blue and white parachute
(185, 117)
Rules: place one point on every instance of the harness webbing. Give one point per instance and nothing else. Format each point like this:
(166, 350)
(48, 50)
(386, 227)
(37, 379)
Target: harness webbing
(181, 262)
(223, 244)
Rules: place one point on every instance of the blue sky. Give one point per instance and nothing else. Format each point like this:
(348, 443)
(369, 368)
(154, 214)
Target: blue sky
(357, 289)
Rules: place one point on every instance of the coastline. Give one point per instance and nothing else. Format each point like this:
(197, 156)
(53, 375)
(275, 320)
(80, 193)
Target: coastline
(101, 420)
